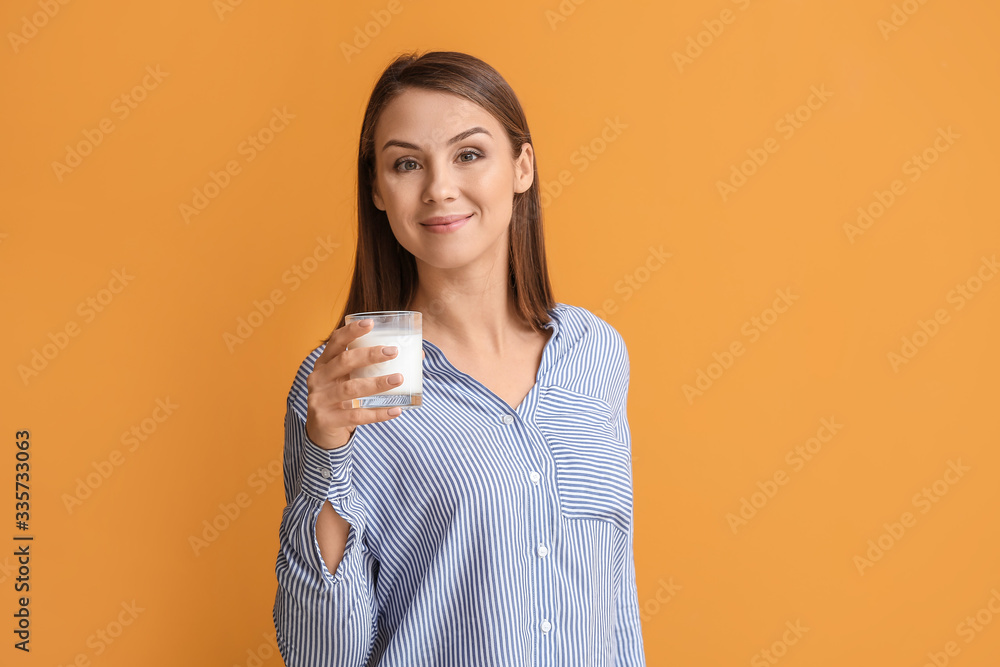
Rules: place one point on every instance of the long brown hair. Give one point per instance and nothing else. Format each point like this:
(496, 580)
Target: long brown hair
(385, 273)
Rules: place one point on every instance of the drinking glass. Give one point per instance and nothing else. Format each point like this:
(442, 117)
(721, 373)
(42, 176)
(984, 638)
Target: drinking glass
(401, 328)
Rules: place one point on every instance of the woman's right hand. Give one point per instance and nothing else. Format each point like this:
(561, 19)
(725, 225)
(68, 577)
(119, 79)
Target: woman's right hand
(330, 418)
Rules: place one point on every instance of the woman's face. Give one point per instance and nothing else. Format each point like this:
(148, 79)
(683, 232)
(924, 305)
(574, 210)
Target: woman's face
(438, 154)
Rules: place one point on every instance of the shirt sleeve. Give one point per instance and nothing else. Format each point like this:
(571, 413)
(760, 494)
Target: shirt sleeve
(322, 618)
(628, 627)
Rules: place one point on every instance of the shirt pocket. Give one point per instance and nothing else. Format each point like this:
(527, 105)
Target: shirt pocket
(593, 464)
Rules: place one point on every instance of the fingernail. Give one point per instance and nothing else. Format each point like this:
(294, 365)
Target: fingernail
(366, 323)
(396, 377)
(389, 349)
(395, 411)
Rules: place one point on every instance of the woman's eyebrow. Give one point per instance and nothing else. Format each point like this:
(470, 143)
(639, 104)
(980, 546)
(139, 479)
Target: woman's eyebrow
(457, 137)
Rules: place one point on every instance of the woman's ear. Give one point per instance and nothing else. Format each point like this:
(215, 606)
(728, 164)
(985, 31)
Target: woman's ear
(524, 169)
(377, 198)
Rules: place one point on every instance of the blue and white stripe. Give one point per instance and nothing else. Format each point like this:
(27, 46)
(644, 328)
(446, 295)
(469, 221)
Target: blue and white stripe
(480, 535)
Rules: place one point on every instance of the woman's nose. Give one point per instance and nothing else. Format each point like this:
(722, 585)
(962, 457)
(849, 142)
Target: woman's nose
(441, 184)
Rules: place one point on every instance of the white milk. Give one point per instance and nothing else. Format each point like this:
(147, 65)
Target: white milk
(407, 361)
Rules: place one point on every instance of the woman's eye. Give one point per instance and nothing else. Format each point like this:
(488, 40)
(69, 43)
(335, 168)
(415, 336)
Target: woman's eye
(461, 158)
(474, 153)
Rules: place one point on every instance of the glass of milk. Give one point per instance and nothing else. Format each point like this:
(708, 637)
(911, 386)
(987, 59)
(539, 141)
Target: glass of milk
(401, 328)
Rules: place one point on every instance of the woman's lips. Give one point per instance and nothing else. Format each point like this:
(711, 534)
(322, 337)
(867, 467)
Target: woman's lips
(450, 227)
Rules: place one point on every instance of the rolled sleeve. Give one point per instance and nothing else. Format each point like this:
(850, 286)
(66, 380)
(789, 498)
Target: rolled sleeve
(322, 618)
(326, 473)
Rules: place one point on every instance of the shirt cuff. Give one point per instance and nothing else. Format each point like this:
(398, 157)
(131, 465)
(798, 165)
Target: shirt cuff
(327, 472)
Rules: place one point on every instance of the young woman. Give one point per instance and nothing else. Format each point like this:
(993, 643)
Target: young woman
(492, 525)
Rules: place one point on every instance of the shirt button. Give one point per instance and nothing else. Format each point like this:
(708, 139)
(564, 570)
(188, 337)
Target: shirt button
(543, 551)
(546, 626)
(325, 473)
(507, 419)
(534, 476)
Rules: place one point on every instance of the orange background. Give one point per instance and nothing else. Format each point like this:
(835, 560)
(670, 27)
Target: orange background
(714, 591)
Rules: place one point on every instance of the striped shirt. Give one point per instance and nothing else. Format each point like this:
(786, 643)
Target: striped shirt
(480, 535)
